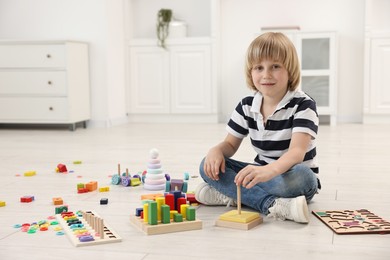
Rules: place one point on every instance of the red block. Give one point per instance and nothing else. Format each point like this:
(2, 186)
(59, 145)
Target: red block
(191, 198)
(180, 201)
(170, 201)
(26, 199)
(62, 168)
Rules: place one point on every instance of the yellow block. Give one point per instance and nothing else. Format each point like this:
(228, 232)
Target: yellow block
(30, 173)
(244, 217)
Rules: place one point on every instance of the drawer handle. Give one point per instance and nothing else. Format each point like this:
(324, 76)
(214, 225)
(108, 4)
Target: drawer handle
(49, 82)
(51, 108)
(48, 56)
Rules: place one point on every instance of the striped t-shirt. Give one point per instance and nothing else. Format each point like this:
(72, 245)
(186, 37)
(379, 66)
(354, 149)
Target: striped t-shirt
(296, 112)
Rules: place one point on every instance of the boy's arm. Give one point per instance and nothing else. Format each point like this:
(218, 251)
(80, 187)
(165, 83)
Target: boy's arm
(252, 174)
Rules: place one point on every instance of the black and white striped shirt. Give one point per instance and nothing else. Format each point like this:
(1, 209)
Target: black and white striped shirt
(296, 112)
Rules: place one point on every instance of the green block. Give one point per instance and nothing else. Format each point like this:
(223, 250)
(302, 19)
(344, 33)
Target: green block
(80, 185)
(165, 214)
(177, 217)
(191, 216)
(152, 213)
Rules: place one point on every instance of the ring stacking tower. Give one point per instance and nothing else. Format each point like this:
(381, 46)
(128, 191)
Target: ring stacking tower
(155, 177)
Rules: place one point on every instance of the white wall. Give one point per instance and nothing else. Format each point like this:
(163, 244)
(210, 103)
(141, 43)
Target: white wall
(101, 24)
(241, 20)
(98, 22)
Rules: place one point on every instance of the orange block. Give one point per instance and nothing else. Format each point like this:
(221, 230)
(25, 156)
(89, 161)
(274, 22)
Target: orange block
(151, 196)
(58, 201)
(92, 185)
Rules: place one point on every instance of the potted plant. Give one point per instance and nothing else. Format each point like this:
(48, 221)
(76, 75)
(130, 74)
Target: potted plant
(164, 17)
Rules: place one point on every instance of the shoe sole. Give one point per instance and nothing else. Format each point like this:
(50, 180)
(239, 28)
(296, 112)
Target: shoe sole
(303, 216)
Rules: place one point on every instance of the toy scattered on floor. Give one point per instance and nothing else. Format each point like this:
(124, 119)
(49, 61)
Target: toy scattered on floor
(87, 187)
(166, 214)
(116, 179)
(30, 173)
(27, 199)
(103, 201)
(61, 168)
(77, 162)
(239, 219)
(360, 221)
(125, 179)
(58, 201)
(86, 228)
(42, 225)
(104, 189)
(61, 209)
(154, 178)
(177, 184)
(2, 203)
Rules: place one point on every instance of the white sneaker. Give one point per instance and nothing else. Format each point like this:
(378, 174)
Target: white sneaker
(293, 209)
(208, 195)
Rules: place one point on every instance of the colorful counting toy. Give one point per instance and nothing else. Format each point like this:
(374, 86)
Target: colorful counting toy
(238, 219)
(86, 228)
(167, 214)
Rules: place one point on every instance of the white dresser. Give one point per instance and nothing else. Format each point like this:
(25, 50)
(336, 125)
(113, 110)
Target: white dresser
(44, 82)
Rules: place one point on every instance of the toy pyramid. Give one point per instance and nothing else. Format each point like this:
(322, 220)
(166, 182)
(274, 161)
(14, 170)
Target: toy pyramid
(155, 177)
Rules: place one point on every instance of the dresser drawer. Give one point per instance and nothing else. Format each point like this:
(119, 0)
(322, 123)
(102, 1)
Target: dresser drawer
(43, 83)
(32, 56)
(39, 110)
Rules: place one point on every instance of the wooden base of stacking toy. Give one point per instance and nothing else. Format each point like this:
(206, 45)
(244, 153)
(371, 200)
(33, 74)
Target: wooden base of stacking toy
(97, 230)
(239, 219)
(244, 221)
(165, 228)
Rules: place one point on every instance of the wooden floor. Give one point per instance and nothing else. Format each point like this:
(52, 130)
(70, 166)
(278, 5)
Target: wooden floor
(355, 174)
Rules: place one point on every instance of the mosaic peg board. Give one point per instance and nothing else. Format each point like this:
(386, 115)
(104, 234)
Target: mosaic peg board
(360, 221)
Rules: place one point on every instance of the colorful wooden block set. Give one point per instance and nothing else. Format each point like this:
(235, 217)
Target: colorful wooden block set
(86, 228)
(166, 214)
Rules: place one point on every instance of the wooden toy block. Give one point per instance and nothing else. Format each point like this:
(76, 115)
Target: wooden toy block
(94, 231)
(191, 198)
(238, 219)
(91, 186)
(30, 173)
(2, 203)
(82, 190)
(61, 209)
(58, 201)
(104, 189)
(103, 201)
(165, 228)
(135, 182)
(151, 196)
(26, 199)
(62, 168)
(77, 162)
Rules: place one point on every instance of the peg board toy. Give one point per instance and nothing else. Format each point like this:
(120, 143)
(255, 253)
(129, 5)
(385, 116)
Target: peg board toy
(360, 221)
(86, 228)
(165, 228)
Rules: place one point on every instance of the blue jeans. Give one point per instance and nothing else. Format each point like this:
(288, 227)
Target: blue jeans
(299, 180)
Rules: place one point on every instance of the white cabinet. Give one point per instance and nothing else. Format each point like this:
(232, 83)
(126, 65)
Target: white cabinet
(317, 53)
(173, 81)
(178, 83)
(44, 83)
(377, 91)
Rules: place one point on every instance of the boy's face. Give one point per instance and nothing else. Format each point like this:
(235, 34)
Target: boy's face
(270, 78)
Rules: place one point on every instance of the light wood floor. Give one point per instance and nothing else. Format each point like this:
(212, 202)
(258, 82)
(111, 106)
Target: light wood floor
(355, 172)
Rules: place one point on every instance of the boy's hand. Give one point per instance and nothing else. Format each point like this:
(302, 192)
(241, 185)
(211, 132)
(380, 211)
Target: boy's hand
(214, 164)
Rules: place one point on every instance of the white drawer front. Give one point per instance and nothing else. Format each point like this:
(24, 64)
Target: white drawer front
(44, 83)
(21, 109)
(32, 56)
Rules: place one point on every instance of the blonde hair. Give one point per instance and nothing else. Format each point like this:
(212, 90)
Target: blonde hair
(275, 46)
